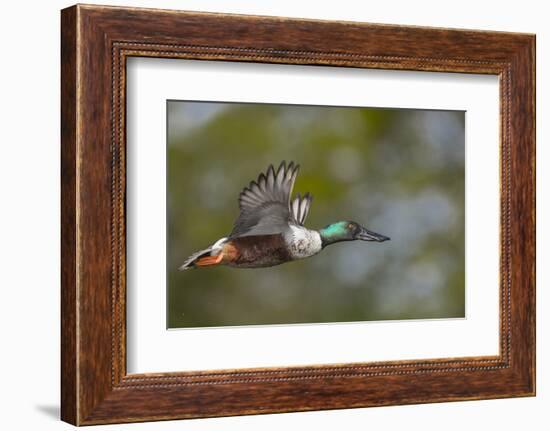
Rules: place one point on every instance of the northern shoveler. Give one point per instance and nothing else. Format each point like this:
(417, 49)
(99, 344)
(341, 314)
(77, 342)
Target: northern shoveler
(270, 228)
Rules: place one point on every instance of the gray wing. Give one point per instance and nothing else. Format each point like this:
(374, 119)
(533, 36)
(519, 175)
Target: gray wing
(265, 203)
(300, 207)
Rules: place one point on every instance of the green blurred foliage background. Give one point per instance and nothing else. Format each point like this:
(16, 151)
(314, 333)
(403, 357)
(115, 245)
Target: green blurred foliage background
(397, 172)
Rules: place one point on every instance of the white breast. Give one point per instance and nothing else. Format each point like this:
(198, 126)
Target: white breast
(303, 242)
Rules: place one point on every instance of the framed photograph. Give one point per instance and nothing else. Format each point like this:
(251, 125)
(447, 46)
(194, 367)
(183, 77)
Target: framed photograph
(266, 215)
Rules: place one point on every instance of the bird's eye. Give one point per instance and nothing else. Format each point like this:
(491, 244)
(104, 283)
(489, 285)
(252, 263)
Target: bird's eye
(350, 226)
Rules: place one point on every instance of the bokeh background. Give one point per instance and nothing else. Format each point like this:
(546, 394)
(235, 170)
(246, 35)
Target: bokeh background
(398, 172)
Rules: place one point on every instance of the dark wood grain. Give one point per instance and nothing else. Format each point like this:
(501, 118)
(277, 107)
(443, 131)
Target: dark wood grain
(69, 398)
(96, 41)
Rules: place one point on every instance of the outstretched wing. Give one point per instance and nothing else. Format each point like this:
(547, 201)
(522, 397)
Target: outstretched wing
(265, 203)
(300, 207)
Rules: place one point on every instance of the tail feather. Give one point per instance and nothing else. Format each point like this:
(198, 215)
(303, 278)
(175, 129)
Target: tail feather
(190, 262)
(214, 249)
(209, 260)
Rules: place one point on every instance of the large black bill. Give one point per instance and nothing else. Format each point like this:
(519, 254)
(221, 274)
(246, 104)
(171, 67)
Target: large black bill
(367, 235)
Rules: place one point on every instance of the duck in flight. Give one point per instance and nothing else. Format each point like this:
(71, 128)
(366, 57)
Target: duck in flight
(270, 228)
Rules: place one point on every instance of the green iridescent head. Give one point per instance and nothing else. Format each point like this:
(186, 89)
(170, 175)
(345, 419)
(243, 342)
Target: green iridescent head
(348, 231)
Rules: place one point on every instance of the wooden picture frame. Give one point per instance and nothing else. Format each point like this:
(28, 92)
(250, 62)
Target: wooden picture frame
(95, 43)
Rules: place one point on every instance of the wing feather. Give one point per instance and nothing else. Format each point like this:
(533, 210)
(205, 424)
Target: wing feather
(300, 207)
(265, 203)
